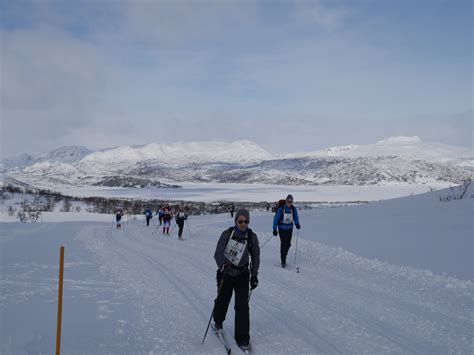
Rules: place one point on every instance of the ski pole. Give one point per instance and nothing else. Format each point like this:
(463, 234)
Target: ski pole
(189, 229)
(296, 247)
(157, 226)
(266, 242)
(212, 313)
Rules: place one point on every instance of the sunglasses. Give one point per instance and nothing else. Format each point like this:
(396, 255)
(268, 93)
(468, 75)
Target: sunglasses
(289, 201)
(243, 221)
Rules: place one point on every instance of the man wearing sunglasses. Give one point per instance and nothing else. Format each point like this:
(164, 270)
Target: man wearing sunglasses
(238, 257)
(285, 217)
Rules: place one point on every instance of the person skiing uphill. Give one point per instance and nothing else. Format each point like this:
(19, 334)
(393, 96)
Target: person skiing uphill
(160, 215)
(148, 215)
(285, 217)
(181, 216)
(118, 217)
(237, 256)
(167, 217)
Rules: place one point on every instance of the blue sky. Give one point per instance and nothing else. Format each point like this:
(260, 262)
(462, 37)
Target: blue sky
(290, 75)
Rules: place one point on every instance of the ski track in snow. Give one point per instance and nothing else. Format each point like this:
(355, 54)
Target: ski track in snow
(338, 303)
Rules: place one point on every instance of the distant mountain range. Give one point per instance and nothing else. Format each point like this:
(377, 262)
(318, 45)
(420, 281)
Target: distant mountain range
(398, 160)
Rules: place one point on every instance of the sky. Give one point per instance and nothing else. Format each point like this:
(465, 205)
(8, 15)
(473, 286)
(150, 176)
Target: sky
(291, 75)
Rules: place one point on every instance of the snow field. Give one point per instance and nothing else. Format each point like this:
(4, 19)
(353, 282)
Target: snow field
(137, 291)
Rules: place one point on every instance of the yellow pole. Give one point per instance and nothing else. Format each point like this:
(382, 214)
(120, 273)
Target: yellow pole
(60, 301)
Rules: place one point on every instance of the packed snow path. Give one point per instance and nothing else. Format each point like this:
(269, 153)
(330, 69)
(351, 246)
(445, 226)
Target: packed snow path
(164, 289)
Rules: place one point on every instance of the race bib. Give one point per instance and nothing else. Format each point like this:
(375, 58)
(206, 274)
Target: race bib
(287, 218)
(234, 251)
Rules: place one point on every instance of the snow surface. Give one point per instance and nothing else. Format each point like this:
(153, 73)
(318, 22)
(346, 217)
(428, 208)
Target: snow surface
(136, 292)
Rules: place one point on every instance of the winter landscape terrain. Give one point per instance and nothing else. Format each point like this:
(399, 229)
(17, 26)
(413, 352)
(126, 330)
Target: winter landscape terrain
(389, 277)
(395, 161)
(394, 274)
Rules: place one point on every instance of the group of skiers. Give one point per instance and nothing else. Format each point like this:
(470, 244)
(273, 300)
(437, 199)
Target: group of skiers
(165, 216)
(237, 256)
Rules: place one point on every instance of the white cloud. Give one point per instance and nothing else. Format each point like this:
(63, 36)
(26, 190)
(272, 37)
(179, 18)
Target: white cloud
(51, 84)
(313, 11)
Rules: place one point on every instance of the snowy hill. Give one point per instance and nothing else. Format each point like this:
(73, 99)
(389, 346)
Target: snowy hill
(183, 153)
(399, 160)
(412, 148)
(68, 155)
(373, 279)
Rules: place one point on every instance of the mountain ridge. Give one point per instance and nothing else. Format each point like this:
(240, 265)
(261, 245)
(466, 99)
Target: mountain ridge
(399, 160)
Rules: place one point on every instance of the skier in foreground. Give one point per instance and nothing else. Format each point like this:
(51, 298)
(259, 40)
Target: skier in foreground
(284, 218)
(238, 258)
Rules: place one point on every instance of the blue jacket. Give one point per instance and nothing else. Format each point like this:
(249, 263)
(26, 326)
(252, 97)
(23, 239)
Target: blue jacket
(278, 219)
(148, 213)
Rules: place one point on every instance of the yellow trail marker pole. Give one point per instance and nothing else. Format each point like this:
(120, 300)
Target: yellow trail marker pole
(60, 301)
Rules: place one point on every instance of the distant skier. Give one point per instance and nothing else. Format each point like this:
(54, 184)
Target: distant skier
(148, 215)
(160, 214)
(285, 216)
(118, 217)
(232, 210)
(181, 217)
(167, 217)
(267, 206)
(237, 250)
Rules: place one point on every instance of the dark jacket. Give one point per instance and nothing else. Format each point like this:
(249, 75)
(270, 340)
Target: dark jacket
(252, 243)
(181, 217)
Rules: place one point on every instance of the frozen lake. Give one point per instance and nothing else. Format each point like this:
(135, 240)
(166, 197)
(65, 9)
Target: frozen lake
(255, 192)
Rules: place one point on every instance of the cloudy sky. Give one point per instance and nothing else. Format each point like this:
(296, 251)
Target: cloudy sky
(290, 75)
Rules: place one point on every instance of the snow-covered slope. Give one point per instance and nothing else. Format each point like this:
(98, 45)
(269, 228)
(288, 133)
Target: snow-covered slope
(412, 148)
(136, 292)
(183, 153)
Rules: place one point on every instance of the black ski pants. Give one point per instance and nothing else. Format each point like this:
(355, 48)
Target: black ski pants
(285, 242)
(180, 227)
(239, 284)
(148, 221)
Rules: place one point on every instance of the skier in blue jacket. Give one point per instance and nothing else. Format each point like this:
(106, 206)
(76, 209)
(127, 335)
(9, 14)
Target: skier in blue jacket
(285, 217)
(148, 215)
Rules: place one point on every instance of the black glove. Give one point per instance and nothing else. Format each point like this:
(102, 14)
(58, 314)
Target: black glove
(253, 282)
(298, 226)
(275, 232)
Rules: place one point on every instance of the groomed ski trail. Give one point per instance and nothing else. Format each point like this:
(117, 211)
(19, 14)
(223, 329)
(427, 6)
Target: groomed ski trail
(338, 303)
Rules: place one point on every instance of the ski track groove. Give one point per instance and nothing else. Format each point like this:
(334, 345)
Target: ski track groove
(176, 281)
(175, 285)
(300, 328)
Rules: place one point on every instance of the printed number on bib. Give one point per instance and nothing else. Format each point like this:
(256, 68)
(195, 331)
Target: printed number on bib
(287, 218)
(234, 251)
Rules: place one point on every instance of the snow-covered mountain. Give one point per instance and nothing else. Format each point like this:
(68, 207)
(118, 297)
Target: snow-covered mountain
(400, 160)
(412, 148)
